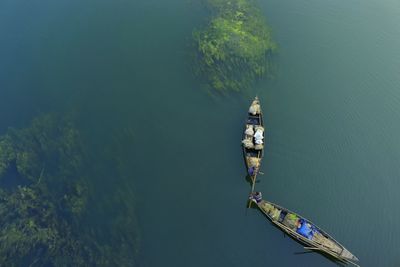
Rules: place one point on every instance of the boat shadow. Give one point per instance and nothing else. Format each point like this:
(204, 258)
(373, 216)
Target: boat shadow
(328, 257)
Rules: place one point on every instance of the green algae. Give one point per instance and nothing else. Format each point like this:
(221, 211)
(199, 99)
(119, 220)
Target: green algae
(43, 212)
(233, 48)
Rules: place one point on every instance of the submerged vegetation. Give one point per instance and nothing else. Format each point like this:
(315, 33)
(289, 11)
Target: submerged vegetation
(44, 199)
(233, 48)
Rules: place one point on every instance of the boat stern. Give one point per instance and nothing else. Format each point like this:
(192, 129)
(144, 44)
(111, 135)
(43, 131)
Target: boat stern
(348, 256)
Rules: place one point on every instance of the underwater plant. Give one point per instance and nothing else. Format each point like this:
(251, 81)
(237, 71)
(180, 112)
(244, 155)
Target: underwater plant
(43, 201)
(233, 48)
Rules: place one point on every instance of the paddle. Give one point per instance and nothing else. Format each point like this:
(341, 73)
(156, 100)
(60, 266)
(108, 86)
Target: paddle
(310, 248)
(253, 181)
(303, 252)
(250, 202)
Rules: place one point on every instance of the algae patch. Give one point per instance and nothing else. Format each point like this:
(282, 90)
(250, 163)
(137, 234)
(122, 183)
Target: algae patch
(44, 196)
(234, 46)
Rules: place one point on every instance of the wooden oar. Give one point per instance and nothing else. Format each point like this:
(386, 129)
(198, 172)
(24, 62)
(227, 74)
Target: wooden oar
(311, 248)
(250, 202)
(254, 178)
(253, 181)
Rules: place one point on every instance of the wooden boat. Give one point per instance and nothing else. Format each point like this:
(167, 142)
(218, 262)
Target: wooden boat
(252, 141)
(303, 230)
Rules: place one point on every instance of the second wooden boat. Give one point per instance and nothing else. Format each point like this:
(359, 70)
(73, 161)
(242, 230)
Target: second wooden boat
(303, 230)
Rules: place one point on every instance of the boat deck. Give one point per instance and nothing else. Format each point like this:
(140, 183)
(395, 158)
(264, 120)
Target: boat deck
(327, 243)
(277, 215)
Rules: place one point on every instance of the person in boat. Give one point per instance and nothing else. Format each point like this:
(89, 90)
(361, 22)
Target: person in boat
(252, 170)
(253, 165)
(257, 196)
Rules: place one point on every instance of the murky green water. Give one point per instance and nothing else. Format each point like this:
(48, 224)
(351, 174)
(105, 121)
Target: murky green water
(123, 69)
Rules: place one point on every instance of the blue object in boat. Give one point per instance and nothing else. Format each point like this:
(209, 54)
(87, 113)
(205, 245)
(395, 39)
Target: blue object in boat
(305, 231)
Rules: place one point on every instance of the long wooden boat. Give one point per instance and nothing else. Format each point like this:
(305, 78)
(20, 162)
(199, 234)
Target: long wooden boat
(303, 230)
(253, 140)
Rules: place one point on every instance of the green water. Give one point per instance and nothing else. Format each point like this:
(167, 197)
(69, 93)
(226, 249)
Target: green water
(123, 68)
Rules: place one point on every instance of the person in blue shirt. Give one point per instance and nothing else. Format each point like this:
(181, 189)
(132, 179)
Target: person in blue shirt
(251, 171)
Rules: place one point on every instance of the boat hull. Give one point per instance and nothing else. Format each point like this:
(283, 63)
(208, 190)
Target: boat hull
(344, 255)
(252, 156)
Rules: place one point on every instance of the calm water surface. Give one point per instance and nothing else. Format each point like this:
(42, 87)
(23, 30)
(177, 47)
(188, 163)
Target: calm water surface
(332, 113)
